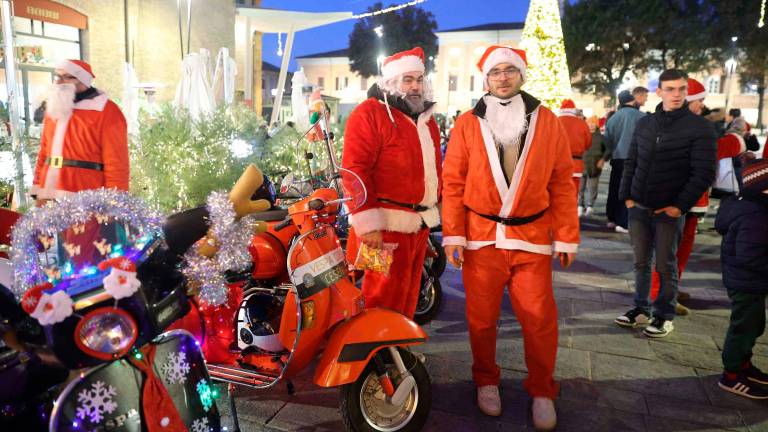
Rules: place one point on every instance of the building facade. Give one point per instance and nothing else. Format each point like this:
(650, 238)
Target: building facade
(331, 72)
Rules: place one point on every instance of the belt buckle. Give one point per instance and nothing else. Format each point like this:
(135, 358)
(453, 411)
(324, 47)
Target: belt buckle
(57, 161)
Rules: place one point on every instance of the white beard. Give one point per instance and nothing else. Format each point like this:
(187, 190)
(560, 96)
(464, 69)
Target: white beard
(506, 122)
(60, 101)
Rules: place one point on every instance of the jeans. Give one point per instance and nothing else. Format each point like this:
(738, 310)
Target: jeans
(652, 234)
(615, 210)
(588, 191)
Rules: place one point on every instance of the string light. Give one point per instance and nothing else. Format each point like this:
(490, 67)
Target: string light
(761, 22)
(280, 44)
(547, 75)
(389, 9)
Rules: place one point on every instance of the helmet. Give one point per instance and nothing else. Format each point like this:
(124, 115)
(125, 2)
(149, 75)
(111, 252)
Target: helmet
(266, 191)
(258, 322)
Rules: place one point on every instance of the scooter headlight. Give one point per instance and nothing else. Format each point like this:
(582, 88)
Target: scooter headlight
(106, 333)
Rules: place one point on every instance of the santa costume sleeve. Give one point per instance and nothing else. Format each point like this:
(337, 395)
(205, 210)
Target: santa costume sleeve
(562, 196)
(361, 151)
(114, 148)
(454, 180)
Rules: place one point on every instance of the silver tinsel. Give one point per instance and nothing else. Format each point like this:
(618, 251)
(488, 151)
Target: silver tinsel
(232, 238)
(56, 217)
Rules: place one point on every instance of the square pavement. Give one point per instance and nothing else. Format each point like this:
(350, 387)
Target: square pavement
(612, 379)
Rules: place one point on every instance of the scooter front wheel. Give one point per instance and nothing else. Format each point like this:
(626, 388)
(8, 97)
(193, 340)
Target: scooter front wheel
(366, 408)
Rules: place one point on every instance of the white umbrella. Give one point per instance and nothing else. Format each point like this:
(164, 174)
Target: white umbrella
(194, 90)
(298, 103)
(131, 98)
(224, 78)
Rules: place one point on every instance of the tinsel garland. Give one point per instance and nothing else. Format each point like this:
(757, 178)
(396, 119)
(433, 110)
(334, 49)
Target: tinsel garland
(78, 208)
(232, 239)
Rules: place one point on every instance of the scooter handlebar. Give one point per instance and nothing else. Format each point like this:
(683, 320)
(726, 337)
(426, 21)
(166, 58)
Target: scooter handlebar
(283, 224)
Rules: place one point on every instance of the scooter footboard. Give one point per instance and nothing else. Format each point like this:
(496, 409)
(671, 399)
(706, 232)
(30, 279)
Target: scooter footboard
(355, 341)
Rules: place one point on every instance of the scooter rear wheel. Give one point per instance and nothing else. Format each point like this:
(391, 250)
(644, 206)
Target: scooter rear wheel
(364, 406)
(430, 298)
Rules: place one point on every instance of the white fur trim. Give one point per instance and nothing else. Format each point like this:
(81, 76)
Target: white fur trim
(94, 104)
(48, 191)
(367, 221)
(402, 221)
(509, 199)
(431, 217)
(402, 65)
(493, 158)
(428, 159)
(697, 96)
(566, 247)
(577, 174)
(504, 55)
(454, 241)
(702, 209)
(76, 71)
(477, 244)
(569, 112)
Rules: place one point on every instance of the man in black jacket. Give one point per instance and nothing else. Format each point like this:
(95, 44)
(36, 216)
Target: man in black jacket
(671, 163)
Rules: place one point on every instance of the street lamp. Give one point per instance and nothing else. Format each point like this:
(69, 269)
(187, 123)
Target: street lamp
(379, 31)
(730, 69)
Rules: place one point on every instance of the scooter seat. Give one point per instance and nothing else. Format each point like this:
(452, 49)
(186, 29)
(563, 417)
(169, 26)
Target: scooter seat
(270, 215)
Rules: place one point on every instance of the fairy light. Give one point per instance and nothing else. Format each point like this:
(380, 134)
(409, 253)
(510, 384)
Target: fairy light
(542, 39)
(761, 22)
(389, 9)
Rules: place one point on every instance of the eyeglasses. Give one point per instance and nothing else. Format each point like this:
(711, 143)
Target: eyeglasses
(498, 74)
(60, 78)
(411, 80)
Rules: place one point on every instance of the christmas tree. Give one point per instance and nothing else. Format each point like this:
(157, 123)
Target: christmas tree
(542, 40)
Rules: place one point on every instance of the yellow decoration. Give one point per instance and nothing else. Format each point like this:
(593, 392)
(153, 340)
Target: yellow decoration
(547, 77)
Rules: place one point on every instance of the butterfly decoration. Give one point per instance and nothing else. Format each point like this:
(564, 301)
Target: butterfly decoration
(103, 247)
(46, 241)
(72, 250)
(53, 272)
(78, 228)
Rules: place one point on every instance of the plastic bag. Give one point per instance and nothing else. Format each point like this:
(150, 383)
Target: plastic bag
(377, 260)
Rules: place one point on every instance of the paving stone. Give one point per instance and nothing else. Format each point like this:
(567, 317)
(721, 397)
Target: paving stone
(688, 339)
(722, 398)
(664, 424)
(578, 416)
(602, 395)
(616, 341)
(757, 421)
(688, 355)
(685, 410)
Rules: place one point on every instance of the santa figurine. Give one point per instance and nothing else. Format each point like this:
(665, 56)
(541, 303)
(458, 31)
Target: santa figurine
(121, 281)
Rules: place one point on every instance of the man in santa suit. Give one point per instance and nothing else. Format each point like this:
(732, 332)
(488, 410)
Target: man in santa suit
(392, 142)
(578, 135)
(509, 203)
(84, 144)
(695, 98)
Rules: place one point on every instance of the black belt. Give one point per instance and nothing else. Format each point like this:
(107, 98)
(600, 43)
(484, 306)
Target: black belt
(58, 162)
(576, 157)
(513, 221)
(414, 207)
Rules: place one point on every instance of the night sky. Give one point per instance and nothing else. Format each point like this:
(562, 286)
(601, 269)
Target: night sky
(449, 14)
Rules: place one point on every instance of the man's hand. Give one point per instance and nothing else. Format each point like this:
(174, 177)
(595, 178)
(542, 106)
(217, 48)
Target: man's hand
(373, 239)
(566, 258)
(455, 255)
(671, 211)
(629, 203)
(600, 163)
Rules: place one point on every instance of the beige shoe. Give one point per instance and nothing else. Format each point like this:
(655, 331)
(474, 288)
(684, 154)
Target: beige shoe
(681, 310)
(488, 400)
(543, 413)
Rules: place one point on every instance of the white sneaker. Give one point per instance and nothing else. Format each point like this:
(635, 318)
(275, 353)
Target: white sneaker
(580, 211)
(543, 413)
(621, 229)
(589, 212)
(488, 400)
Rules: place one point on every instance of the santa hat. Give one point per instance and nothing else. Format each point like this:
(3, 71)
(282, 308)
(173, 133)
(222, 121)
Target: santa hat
(402, 62)
(121, 281)
(567, 104)
(497, 54)
(755, 176)
(78, 69)
(696, 90)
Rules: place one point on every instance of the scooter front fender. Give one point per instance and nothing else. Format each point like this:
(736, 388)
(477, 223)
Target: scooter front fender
(354, 342)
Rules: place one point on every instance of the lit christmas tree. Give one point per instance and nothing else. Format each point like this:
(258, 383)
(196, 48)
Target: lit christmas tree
(542, 40)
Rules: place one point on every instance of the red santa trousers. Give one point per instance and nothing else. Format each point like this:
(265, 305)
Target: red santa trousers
(487, 272)
(400, 290)
(684, 250)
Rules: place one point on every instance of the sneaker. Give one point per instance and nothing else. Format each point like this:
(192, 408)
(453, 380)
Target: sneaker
(754, 374)
(743, 386)
(544, 414)
(659, 328)
(610, 225)
(621, 229)
(488, 400)
(681, 310)
(589, 212)
(580, 211)
(633, 318)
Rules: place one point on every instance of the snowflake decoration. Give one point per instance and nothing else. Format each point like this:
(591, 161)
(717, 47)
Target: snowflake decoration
(206, 393)
(96, 401)
(200, 425)
(176, 368)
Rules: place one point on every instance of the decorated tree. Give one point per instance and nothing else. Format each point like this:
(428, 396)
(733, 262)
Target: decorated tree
(542, 40)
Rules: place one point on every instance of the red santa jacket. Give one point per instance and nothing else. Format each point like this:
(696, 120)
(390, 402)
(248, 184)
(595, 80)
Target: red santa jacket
(474, 183)
(731, 145)
(397, 160)
(579, 137)
(95, 132)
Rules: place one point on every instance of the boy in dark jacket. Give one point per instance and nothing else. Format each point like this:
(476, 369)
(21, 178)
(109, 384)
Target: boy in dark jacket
(671, 163)
(743, 223)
